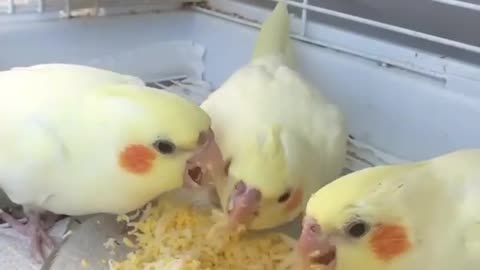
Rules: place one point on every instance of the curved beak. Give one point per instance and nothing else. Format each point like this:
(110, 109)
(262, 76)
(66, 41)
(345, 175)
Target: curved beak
(314, 247)
(243, 204)
(206, 165)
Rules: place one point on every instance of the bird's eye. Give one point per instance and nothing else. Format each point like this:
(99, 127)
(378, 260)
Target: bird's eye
(284, 197)
(202, 138)
(164, 146)
(357, 229)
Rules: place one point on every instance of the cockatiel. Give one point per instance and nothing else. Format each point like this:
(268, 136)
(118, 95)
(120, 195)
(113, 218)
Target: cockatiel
(416, 216)
(78, 140)
(280, 137)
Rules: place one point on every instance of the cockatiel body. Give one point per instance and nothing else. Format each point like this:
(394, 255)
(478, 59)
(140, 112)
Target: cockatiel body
(78, 140)
(281, 139)
(417, 216)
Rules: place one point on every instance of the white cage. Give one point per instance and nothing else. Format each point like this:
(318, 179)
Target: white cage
(406, 73)
(413, 67)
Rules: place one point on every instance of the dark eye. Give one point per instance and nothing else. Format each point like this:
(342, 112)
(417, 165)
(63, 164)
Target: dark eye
(284, 197)
(164, 146)
(202, 138)
(357, 229)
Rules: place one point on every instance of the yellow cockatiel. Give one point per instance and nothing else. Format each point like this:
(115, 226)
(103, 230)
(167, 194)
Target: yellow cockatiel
(79, 140)
(417, 216)
(281, 138)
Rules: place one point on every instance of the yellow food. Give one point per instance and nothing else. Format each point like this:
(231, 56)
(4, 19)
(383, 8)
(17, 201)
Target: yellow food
(183, 238)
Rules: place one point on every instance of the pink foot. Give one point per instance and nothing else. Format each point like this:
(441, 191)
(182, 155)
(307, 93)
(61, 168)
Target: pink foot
(35, 230)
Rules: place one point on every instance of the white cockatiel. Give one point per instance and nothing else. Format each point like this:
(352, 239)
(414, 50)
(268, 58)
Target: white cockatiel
(421, 215)
(78, 140)
(280, 137)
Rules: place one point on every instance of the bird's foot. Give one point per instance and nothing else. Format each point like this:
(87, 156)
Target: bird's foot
(33, 229)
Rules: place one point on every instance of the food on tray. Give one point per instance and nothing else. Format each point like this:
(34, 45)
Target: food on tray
(173, 237)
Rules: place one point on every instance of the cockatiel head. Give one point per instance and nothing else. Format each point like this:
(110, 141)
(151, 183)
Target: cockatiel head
(260, 191)
(363, 221)
(163, 141)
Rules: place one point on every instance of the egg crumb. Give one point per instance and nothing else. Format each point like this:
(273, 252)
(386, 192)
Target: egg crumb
(110, 243)
(128, 243)
(184, 238)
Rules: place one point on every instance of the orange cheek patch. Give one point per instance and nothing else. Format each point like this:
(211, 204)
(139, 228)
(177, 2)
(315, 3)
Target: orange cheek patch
(295, 201)
(389, 241)
(137, 159)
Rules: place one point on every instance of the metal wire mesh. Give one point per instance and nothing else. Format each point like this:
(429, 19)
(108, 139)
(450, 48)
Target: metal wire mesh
(67, 8)
(451, 23)
(456, 31)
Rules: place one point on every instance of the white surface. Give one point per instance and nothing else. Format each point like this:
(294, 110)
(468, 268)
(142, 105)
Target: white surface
(170, 59)
(15, 254)
(81, 40)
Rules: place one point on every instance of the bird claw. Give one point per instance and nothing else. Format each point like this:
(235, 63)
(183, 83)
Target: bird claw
(35, 230)
(39, 238)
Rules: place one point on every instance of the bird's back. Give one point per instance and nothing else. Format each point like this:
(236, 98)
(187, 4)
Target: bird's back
(442, 201)
(260, 97)
(46, 125)
(461, 172)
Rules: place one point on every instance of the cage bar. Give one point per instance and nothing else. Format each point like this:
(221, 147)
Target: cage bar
(384, 26)
(461, 4)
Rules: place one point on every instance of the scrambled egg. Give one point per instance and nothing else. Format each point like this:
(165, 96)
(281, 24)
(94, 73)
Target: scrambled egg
(184, 238)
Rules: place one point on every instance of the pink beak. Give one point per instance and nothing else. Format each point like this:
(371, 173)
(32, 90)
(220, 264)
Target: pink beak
(244, 204)
(206, 164)
(314, 248)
